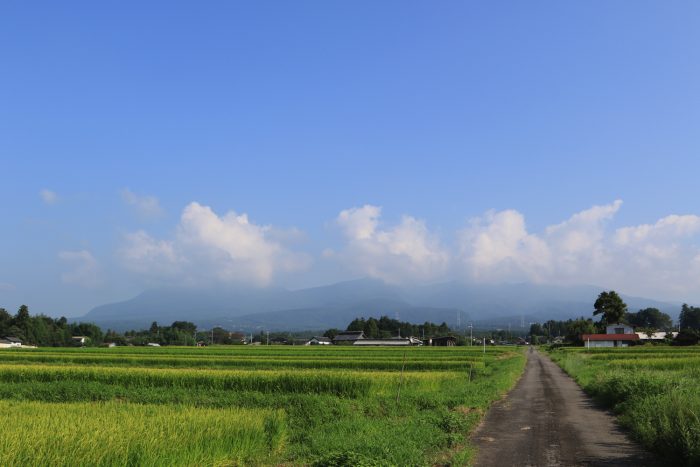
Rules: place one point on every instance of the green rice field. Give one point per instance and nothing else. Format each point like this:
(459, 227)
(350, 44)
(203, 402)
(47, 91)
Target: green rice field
(240, 405)
(655, 390)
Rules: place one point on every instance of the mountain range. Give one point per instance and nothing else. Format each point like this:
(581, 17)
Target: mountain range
(334, 306)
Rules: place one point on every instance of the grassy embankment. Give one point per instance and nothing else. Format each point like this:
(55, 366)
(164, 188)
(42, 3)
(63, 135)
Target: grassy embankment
(252, 406)
(654, 390)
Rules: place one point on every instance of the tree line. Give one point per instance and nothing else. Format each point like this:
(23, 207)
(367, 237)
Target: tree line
(44, 331)
(386, 327)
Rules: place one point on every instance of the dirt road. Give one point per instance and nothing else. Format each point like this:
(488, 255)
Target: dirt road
(547, 420)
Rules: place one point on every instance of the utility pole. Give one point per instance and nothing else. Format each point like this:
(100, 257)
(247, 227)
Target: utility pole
(471, 334)
(268, 337)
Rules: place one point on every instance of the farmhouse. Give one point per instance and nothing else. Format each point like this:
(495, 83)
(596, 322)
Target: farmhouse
(388, 342)
(319, 340)
(616, 335)
(10, 342)
(348, 337)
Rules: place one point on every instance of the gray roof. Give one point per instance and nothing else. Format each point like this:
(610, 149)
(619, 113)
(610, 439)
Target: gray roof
(13, 340)
(389, 341)
(349, 336)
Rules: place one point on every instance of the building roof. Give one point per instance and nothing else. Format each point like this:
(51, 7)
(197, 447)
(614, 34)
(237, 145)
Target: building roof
(321, 338)
(388, 341)
(349, 336)
(610, 337)
(13, 340)
(658, 335)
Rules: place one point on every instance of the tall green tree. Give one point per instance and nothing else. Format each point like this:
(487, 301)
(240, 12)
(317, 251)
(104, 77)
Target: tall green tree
(650, 318)
(610, 306)
(690, 317)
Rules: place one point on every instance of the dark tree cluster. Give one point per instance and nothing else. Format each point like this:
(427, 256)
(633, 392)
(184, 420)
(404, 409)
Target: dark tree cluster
(386, 327)
(178, 333)
(649, 318)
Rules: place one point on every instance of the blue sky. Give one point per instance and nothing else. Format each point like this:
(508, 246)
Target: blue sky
(496, 137)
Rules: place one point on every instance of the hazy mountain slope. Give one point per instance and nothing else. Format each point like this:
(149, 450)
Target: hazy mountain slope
(337, 304)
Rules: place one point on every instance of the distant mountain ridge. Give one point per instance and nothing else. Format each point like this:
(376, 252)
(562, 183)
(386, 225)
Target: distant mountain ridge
(335, 305)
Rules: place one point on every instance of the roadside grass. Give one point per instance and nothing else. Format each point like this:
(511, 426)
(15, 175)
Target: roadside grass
(655, 393)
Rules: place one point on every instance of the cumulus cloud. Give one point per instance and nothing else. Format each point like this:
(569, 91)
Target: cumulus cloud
(147, 207)
(84, 268)
(206, 246)
(658, 259)
(405, 252)
(48, 196)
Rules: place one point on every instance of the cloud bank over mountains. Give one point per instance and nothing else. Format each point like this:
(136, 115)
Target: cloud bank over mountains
(660, 259)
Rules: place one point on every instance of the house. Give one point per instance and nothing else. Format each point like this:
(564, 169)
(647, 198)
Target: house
(319, 340)
(348, 337)
(616, 335)
(10, 342)
(152, 344)
(388, 342)
(444, 341)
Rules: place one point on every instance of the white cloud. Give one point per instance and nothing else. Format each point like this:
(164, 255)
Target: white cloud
(48, 196)
(144, 254)
(147, 207)
(85, 270)
(657, 259)
(206, 246)
(670, 227)
(405, 252)
(7, 287)
(498, 247)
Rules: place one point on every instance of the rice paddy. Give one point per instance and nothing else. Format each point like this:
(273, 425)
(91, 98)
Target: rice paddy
(247, 405)
(654, 390)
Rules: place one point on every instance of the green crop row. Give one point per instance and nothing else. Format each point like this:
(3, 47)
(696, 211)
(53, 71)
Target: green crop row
(117, 434)
(261, 381)
(657, 397)
(279, 351)
(389, 364)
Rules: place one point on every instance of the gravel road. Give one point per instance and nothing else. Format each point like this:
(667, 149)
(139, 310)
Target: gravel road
(547, 420)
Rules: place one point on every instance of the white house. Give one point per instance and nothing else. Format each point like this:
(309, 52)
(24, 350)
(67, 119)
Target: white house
(319, 340)
(10, 342)
(616, 335)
